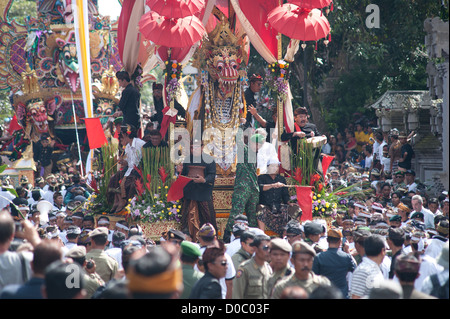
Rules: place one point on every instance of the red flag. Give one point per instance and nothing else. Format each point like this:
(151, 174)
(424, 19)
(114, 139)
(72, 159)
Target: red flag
(95, 133)
(326, 161)
(176, 189)
(304, 198)
(14, 125)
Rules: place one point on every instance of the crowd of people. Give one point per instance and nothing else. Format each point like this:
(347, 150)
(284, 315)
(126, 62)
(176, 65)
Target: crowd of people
(390, 244)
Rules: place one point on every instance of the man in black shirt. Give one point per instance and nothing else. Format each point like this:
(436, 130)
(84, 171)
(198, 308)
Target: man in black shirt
(129, 102)
(303, 129)
(154, 139)
(198, 207)
(159, 104)
(249, 94)
(272, 194)
(407, 153)
(42, 155)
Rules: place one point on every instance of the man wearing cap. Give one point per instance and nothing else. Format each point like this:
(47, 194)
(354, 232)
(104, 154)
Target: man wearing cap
(410, 180)
(303, 129)
(395, 240)
(302, 258)
(407, 270)
(246, 189)
(242, 219)
(92, 280)
(207, 236)
(175, 236)
(334, 263)
(190, 253)
(395, 221)
(313, 233)
(245, 251)
(252, 276)
(280, 253)
(106, 266)
(235, 244)
(294, 231)
(399, 180)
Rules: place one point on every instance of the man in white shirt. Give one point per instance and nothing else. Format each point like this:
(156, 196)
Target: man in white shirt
(417, 204)
(438, 241)
(368, 274)
(369, 157)
(235, 245)
(410, 176)
(133, 153)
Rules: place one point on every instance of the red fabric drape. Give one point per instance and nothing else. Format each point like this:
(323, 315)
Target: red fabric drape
(176, 189)
(304, 198)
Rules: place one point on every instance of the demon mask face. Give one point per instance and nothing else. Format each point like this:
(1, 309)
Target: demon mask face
(225, 68)
(68, 61)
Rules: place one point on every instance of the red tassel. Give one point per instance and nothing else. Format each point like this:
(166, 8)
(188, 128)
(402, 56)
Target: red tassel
(332, 6)
(316, 46)
(329, 37)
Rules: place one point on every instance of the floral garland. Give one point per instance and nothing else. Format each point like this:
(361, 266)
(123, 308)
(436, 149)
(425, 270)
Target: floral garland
(277, 76)
(173, 75)
(159, 209)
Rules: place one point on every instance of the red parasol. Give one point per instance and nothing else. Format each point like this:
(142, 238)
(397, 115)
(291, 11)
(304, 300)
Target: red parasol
(176, 8)
(298, 23)
(171, 32)
(311, 4)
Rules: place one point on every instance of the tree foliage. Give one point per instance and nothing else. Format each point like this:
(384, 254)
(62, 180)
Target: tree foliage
(391, 57)
(20, 9)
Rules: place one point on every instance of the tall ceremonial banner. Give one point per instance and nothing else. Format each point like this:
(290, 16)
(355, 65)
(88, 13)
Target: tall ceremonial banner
(81, 24)
(129, 37)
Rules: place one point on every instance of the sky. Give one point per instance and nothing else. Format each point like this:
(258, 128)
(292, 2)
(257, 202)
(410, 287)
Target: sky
(109, 8)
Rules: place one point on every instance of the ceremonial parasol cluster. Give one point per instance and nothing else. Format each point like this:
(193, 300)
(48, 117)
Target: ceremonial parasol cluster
(301, 20)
